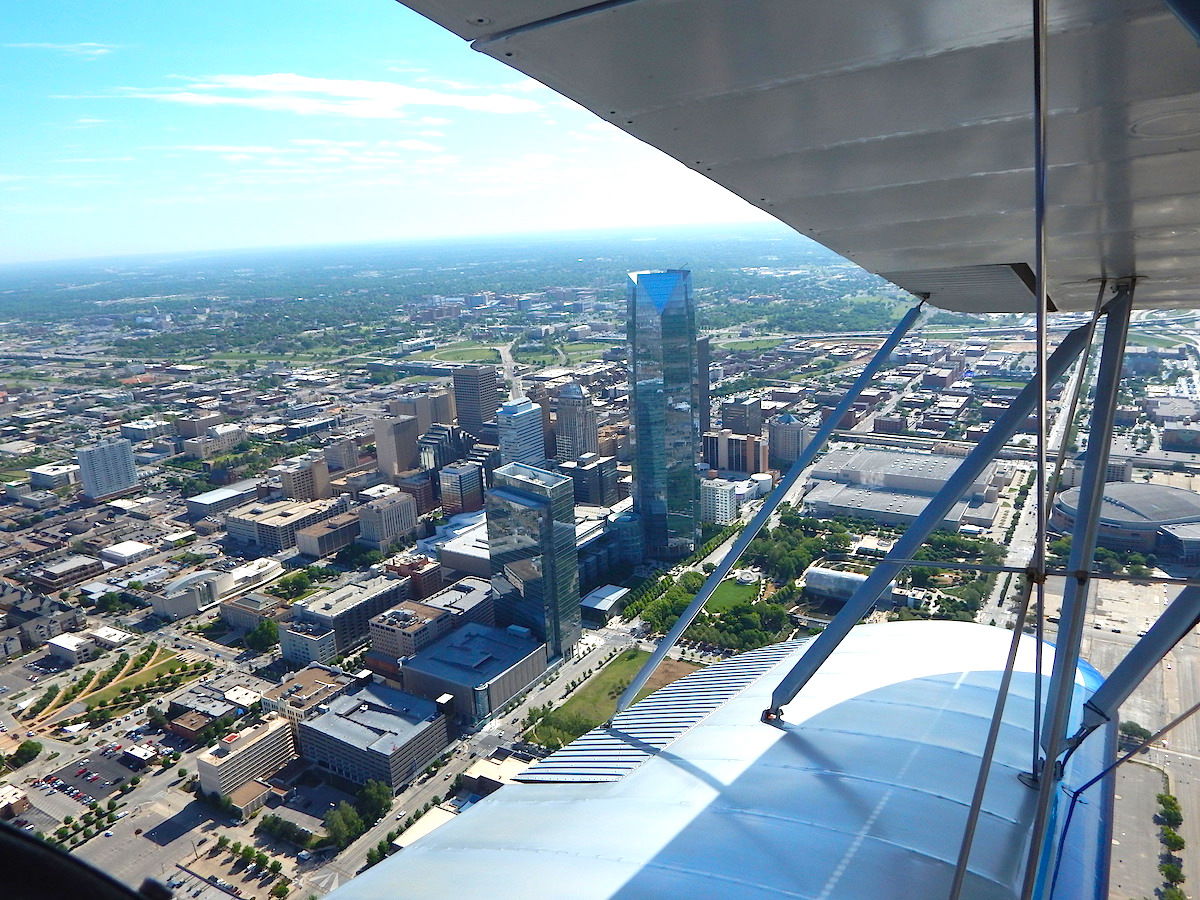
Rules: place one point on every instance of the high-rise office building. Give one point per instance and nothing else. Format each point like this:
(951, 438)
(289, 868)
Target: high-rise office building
(787, 438)
(304, 477)
(576, 430)
(742, 416)
(106, 467)
(703, 364)
(535, 567)
(476, 396)
(595, 479)
(342, 453)
(540, 395)
(522, 439)
(429, 406)
(387, 521)
(396, 444)
(732, 452)
(664, 410)
(462, 488)
(441, 445)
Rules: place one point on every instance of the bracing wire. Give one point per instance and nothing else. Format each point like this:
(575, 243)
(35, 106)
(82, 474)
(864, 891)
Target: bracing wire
(1120, 760)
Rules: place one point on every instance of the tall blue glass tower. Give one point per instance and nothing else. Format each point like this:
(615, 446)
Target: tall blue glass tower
(535, 566)
(664, 390)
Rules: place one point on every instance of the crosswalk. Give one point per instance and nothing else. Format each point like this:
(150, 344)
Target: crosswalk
(326, 880)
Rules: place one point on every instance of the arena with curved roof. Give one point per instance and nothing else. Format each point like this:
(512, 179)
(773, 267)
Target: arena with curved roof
(1152, 518)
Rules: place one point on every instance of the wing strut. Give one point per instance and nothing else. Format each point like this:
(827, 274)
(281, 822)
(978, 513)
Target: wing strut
(1061, 689)
(769, 506)
(929, 520)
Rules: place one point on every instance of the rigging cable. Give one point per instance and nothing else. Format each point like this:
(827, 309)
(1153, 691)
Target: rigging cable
(985, 762)
(1103, 773)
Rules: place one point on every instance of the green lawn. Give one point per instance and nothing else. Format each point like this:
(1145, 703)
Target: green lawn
(729, 594)
(135, 680)
(535, 359)
(481, 355)
(754, 344)
(461, 351)
(1145, 339)
(596, 701)
(585, 346)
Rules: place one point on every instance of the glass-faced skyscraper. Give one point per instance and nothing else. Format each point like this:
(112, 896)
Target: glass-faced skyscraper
(535, 567)
(522, 437)
(664, 391)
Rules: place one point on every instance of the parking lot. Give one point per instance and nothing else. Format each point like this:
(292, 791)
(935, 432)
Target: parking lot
(16, 676)
(97, 776)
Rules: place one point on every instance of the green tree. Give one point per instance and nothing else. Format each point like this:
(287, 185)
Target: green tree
(236, 847)
(261, 859)
(1172, 874)
(276, 866)
(26, 752)
(247, 853)
(1171, 839)
(290, 587)
(280, 890)
(222, 842)
(374, 800)
(1135, 731)
(343, 824)
(263, 636)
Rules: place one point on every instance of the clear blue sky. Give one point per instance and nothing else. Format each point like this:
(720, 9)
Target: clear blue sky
(149, 125)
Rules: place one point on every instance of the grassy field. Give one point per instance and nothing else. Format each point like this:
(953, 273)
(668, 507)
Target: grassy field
(581, 350)
(754, 344)
(592, 704)
(461, 351)
(729, 594)
(467, 354)
(1146, 339)
(536, 359)
(135, 680)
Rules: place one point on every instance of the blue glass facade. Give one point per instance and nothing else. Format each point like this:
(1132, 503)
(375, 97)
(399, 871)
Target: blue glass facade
(535, 566)
(664, 410)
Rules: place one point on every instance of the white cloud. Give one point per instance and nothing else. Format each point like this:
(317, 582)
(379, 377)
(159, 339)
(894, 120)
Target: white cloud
(358, 99)
(84, 49)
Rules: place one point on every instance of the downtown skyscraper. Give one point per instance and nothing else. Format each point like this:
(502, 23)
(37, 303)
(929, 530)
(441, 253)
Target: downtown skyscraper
(522, 437)
(664, 393)
(106, 467)
(535, 564)
(575, 428)
(476, 396)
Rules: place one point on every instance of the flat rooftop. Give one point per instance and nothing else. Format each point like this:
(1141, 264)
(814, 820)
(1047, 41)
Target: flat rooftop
(410, 615)
(375, 717)
(474, 654)
(462, 596)
(335, 602)
(280, 512)
(308, 687)
(237, 741)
